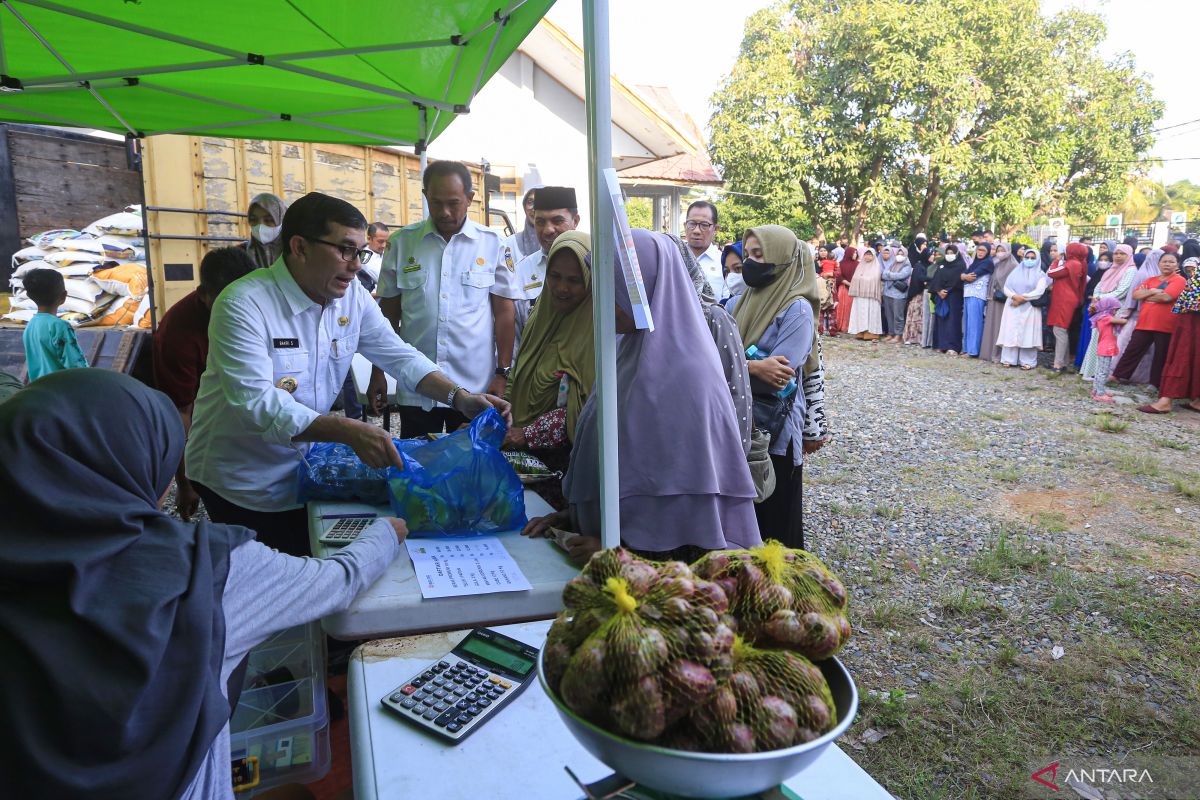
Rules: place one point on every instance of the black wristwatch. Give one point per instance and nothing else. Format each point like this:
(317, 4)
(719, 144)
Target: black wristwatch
(502, 372)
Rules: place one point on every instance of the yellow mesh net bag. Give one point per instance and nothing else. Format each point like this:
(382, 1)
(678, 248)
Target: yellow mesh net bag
(639, 645)
(781, 598)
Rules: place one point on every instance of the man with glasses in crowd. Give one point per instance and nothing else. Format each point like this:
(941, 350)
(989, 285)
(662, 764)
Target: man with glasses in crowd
(280, 345)
(699, 229)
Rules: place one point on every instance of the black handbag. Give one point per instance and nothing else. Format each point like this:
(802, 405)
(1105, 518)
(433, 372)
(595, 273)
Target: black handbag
(999, 296)
(771, 412)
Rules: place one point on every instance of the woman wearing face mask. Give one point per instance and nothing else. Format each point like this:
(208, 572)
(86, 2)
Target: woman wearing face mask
(680, 495)
(1003, 264)
(946, 291)
(866, 315)
(1115, 282)
(776, 314)
(976, 280)
(266, 221)
(731, 262)
(1020, 335)
(896, 274)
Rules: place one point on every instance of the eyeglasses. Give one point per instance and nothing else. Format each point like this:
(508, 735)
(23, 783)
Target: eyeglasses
(347, 251)
(693, 225)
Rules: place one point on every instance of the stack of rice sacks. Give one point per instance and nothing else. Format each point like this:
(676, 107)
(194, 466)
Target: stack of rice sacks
(103, 267)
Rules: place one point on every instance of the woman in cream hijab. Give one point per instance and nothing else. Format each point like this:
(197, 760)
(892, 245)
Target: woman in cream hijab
(777, 314)
(866, 315)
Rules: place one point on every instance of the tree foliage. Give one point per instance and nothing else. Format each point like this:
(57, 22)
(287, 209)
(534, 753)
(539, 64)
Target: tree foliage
(917, 115)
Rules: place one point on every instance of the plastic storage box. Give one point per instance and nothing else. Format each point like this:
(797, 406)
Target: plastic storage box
(282, 719)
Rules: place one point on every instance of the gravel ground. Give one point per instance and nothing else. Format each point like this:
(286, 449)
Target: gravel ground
(983, 517)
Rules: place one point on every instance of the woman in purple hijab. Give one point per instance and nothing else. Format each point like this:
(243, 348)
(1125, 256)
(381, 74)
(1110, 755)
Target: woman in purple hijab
(685, 486)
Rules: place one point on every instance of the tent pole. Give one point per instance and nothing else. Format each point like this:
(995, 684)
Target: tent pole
(423, 154)
(138, 143)
(598, 98)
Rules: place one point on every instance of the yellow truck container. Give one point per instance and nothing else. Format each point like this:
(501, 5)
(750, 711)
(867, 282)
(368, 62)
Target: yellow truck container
(207, 182)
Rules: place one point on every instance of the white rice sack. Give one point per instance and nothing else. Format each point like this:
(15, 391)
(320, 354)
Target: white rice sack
(85, 306)
(67, 257)
(19, 316)
(84, 289)
(28, 254)
(123, 223)
(30, 266)
(141, 317)
(21, 303)
(48, 238)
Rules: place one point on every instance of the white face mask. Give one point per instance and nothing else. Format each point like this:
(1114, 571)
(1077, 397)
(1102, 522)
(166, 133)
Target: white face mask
(734, 283)
(951, 256)
(265, 233)
(1030, 262)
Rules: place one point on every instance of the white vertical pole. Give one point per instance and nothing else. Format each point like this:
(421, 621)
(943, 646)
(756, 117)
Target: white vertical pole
(423, 155)
(597, 75)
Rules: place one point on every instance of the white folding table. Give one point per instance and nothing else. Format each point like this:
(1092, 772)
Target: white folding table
(393, 605)
(517, 755)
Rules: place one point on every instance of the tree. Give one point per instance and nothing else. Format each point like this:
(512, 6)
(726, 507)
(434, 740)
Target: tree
(914, 115)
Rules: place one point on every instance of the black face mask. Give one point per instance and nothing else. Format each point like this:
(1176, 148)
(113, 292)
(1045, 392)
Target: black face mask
(757, 274)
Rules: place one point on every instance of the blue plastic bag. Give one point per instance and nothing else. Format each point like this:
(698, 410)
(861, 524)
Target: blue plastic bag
(332, 471)
(459, 484)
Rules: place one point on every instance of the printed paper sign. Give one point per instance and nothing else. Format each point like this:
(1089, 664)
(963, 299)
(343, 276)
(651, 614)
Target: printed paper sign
(627, 255)
(457, 567)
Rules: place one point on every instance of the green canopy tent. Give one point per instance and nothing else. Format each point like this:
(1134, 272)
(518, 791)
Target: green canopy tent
(370, 72)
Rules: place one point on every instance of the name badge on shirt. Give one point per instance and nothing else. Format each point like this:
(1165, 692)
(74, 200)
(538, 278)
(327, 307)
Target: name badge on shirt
(285, 343)
(412, 268)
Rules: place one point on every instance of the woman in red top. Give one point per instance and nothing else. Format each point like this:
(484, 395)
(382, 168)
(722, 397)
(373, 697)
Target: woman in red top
(1155, 322)
(841, 280)
(1181, 375)
(828, 266)
(1070, 279)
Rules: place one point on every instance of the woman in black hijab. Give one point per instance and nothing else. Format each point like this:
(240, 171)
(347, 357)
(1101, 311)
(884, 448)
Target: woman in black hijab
(121, 627)
(946, 291)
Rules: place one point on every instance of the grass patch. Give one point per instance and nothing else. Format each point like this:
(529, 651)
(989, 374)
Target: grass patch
(1006, 655)
(997, 416)
(847, 509)
(1172, 444)
(1051, 521)
(1101, 498)
(1007, 475)
(922, 644)
(1067, 596)
(967, 441)
(968, 603)
(1188, 487)
(889, 711)
(1137, 464)
(888, 614)
(1110, 424)
(1004, 556)
(889, 511)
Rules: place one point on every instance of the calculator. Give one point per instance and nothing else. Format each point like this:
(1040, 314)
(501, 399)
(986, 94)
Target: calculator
(346, 529)
(453, 696)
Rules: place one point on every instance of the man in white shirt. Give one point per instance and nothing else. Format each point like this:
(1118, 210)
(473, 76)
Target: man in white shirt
(280, 345)
(377, 238)
(524, 241)
(555, 211)
(437, 284)
(699, 229)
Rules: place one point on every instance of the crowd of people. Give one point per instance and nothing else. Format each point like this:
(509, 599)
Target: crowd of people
(1112, 312)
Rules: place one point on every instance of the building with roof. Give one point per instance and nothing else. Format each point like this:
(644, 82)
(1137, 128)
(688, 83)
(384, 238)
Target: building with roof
(529, 124)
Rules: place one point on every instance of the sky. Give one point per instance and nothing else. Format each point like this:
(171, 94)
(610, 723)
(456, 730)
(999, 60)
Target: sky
(690, 45)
